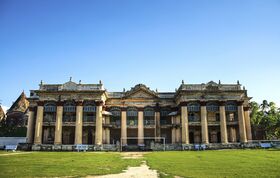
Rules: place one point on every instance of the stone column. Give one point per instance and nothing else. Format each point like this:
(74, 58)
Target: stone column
(223, 124)
(232, 133)
(39, 123)
(178, 134)
(140, 127)
(30, 125)
(173, 138)
(241, 123)
(204, 125)
(185, 124)
(107, 130)
(123, 127)
(58, 124)
(157, 122)
(248, 123)
(98, 127)
(79, 123)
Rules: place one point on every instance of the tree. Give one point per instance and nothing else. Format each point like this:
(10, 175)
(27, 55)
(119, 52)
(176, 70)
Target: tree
(266, 116)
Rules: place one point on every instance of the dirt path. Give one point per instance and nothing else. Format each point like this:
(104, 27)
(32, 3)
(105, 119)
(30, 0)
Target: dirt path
(14, 153)
(142, 171)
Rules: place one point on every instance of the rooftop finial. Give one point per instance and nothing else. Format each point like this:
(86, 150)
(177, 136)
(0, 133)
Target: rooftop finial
(238, 82)
(219, 82)
(100, 82)
(70, 79)
(156, 90)
(123, 89)
(183, 82)
(41, 83)
(244, 88)
(80, 81)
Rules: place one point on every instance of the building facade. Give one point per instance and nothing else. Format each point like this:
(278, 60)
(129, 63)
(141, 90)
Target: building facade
(75, 113)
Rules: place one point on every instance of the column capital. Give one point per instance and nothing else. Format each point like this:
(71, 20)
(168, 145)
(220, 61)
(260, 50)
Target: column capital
(79, 103)
(40, 103)
(222, 103)
(240, 102)
(59, 103)
(140, 109)
(99, 103)
(202, 103)
(31, 108)
(183, 103)
(123, 108)
(246, 108)
(157, 108)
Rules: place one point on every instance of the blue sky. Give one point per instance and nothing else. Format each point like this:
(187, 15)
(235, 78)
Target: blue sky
(156, 42)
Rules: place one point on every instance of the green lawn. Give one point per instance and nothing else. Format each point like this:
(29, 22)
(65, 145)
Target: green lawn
(50, 164)
(223, 163)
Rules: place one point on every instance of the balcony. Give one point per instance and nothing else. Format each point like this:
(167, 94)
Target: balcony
(132, 123)
(69, 120)
(116, 124)
(49, 120)
(149, 123)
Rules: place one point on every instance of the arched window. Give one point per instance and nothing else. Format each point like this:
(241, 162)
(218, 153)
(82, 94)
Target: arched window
(213, 113)
(149, 116)
(89, 112)
(49, 112)
(69, 107)
(132, 117)
(231, 111)
(49, 107)
(116, 117)
(193, 107)
(164, 118)
(212, 107)
(231, 106)
(69, 112)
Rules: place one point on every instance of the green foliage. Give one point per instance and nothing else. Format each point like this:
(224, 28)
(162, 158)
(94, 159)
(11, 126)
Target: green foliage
(266, 116)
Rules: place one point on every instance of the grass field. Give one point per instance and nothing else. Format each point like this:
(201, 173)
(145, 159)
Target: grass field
(224, 163)
(51, 164)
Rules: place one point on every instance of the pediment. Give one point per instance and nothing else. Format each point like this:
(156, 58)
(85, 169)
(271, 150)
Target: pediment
(141, 94)
(212, 86)
(140, 91)
(69, 86)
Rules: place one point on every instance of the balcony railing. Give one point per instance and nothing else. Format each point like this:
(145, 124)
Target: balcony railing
(89, 119)
(132, 122)
(165, 122)
(49, 118)
(193, 119)
(69, 119)
(149, 122)
(116, 123)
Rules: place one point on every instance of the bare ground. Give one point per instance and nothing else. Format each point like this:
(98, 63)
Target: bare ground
(142, 171)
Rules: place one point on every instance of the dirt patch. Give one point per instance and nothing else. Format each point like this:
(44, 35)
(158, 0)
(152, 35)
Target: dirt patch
(14, 153)
(132, 155)
(142, 171)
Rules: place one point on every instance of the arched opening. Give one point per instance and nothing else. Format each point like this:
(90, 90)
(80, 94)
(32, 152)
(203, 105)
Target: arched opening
(89, 118)
(132, 125)
(49, 119)
(149, 125)
(116, 125)
(165, 124)
(69, 119)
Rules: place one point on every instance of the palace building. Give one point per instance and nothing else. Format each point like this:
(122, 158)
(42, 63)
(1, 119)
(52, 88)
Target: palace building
(63, 115)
